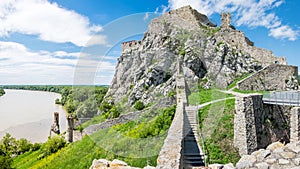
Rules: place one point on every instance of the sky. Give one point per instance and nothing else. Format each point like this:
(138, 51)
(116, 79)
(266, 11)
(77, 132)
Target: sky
(78, 42)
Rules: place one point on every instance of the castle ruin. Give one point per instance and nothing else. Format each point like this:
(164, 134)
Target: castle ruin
(226, 20)
(70, 128)
(130, 45)
(55, 126)
(238, 39)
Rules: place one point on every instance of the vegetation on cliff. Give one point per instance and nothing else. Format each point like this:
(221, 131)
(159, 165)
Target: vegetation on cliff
(145, 135)
(2, 92)
(79, 101)
(219, 136)
(10, 146)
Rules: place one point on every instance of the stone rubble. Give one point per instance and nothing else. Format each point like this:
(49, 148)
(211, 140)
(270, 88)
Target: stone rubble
(115, 164)
(275, 156)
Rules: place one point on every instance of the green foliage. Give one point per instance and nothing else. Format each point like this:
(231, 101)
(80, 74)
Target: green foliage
(52, 145)
(2, 92)
(237, 79)
(109, 110)
(57, 101)
(219, 147)
(80, 101)
(139, 105)
(250, 91)
(159, 125)
(79, 155)
(182, 51)
(95, 120)
(23, 145)
(206, 95)
(220, 43)
(5, 161)
(172, 93)
(106, 143)
(8, 145)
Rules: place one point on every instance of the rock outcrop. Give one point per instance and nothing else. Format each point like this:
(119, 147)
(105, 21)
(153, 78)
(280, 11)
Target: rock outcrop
(115, 164)
(276, 156)
(146, 69)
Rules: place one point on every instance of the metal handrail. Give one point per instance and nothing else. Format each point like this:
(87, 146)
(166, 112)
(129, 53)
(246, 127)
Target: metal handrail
(200, 137)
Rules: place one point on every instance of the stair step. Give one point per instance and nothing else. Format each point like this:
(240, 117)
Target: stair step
(194, 162)
(193, 157)
(192, 154)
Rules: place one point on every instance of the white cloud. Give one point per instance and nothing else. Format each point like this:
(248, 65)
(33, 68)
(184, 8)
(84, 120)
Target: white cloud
(146, 16)
(48, 21)
(283, 32)
(161, 9)
(18, 64)
(250, 13)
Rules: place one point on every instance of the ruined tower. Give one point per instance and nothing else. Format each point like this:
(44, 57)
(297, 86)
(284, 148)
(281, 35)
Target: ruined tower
(55, 126)
(70, 128)
(226, 20)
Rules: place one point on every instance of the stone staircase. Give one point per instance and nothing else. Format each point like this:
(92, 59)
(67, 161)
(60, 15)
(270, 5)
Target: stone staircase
(192, 153)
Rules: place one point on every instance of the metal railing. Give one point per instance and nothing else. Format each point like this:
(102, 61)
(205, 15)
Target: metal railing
(201, 138)
(289, 98)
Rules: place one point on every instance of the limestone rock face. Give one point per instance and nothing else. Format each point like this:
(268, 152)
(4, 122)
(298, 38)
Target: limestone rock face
(146, 69)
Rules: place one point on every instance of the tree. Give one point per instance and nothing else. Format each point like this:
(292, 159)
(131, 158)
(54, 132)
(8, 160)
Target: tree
(8, 144)
(23, 145)
(139, 105)
(52, 145)
(2, 92)
(57, 101)
(5, 161)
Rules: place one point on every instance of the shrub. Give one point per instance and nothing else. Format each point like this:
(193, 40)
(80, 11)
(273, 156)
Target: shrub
(52, 145)
(5, 162)
(172, 93)
(139, 105)
(57, 101)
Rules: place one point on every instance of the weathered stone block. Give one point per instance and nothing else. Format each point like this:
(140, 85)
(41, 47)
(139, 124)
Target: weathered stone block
(295, 124)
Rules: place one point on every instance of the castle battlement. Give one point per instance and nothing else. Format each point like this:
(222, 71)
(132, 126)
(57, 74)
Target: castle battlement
(189, 14)
(226, 20)
(130, 44)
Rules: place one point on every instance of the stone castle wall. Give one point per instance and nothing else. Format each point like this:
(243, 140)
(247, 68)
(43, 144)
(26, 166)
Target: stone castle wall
(256, 125)
(187, 13)
(130, 45)
(273, 77)
(245, 137)
(170, 155)
(238, 39)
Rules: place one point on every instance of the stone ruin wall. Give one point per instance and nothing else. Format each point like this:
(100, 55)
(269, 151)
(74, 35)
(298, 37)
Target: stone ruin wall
(130, 45)
(187, 13)
(237, 38)
(271, 78)
(170, 155)
(256, 125)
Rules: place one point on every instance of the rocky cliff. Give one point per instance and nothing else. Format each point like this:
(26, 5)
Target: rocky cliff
(146, 69)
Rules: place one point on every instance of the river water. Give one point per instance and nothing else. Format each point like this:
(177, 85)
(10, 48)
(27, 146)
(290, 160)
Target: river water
(29, 114)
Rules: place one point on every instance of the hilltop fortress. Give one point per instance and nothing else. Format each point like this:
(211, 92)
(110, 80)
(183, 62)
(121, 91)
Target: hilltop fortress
(227, 33)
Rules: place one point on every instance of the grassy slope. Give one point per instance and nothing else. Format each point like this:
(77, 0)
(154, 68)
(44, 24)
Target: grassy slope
(135, 142)
(219, 146)
(204, 96)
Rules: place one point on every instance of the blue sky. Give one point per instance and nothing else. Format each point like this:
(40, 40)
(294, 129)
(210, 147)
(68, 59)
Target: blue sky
(78, 42)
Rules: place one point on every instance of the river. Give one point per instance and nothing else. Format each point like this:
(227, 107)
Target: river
(29, 114)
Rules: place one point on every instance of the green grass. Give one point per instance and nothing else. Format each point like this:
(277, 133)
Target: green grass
(250, 91)
(136, 142)
(219, 146)
(233, 84)
(95, 120)
(204, 96)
